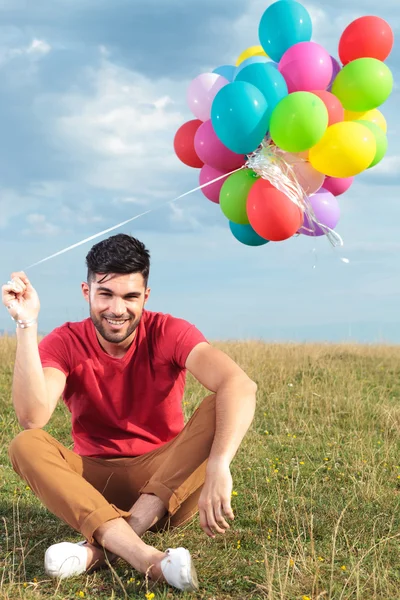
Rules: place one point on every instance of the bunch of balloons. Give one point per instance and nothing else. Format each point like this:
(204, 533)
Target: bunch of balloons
(282, 133)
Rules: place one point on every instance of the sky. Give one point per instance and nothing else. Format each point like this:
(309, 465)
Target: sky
(92, 94)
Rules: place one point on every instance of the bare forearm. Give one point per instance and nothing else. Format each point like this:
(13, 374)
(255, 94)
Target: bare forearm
(29, 388)
(235, 406)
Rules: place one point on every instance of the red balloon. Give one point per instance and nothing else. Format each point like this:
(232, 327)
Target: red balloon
(333, 105)
(184, 144)
(271, 213)
(366, 37)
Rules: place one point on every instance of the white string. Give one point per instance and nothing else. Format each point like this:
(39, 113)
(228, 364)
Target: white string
(96, 235)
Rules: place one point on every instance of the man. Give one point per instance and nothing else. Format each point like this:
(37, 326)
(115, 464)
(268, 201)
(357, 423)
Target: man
(121, 373)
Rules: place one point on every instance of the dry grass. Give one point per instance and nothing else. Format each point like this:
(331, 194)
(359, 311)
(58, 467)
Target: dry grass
(316, 488)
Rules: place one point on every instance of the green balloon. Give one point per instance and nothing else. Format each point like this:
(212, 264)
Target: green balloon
(233, 195)
(363, 84)
(298, 122)
(381, 141)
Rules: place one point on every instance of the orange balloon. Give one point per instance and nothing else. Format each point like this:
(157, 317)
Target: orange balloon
(271, 213)
(309, 179)
(333, 105)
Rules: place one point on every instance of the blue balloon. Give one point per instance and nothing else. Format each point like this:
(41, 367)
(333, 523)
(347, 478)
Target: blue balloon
(268, 80)
(282, 25)
(246, 235)
(227, 71)
(253, 60)
(239, 116)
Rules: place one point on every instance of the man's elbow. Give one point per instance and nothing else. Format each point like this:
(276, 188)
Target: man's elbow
(27, 423)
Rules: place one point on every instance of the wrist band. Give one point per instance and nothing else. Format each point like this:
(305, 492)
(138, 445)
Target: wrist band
(24, 324)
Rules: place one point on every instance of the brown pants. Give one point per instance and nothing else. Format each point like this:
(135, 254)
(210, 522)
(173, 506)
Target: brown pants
(87, 492)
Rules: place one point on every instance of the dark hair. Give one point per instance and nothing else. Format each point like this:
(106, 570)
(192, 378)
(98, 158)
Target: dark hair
(119, 254)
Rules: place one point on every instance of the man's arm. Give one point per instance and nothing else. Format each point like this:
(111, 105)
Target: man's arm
(235, 407)
(35, 390)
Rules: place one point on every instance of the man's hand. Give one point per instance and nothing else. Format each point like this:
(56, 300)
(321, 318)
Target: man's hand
(20, 298)
(215, 499)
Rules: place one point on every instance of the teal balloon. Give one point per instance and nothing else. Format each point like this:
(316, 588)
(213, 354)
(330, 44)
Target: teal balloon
(268, 80)
(252, 60)
(246, 235)
(239, 116)
(227, 71)
(282, 25)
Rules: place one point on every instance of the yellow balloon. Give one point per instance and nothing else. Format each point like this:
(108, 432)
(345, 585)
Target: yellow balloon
(347, 149)
(250, 52)
(374, 116)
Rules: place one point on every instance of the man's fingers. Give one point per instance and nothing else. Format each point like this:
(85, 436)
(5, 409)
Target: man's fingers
(204, 523)
(212, 523)
(227, 509)
(219, 518)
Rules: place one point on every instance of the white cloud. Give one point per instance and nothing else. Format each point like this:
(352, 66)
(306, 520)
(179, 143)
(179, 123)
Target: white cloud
(122, 132)
(390, 165)
(38, 47)
(14, 204)
(39, 225)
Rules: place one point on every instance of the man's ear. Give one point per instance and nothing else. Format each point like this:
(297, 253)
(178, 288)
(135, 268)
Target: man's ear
(85, 290)
(147, 294)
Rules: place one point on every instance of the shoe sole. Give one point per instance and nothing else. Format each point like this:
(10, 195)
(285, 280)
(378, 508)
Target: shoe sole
(194, 580)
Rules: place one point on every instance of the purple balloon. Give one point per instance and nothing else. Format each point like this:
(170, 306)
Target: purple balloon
(213, 152)
(335, 70)
(327, 212)
(201, 93)
(211, 191)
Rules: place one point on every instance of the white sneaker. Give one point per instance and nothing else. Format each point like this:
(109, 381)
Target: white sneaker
(178, 570)
(65, 559)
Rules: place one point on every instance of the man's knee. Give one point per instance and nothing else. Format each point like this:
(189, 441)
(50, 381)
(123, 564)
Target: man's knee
(24, 446)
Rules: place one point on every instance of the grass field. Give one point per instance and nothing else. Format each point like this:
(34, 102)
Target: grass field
(316, 488)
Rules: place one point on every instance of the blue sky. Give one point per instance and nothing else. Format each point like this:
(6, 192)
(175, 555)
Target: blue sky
(92, 93)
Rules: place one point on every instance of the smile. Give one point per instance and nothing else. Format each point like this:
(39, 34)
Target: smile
(116, 323)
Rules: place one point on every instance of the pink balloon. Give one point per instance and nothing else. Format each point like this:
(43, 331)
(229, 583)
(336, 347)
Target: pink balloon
(337, 186)
(310, 179)
(306, 66)
(211, 191)
(213, 152)
(201, 93)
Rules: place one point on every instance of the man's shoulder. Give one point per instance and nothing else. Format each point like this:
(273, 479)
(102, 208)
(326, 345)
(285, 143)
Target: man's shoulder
(160, 320)
(69, 329)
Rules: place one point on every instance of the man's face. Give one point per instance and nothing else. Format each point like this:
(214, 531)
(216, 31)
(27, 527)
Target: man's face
(116, 304)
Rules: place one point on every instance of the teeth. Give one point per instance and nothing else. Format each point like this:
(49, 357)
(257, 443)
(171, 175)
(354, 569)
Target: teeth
(115, 322)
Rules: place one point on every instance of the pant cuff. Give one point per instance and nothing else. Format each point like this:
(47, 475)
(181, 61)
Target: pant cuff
(171, 501)
(100, 516)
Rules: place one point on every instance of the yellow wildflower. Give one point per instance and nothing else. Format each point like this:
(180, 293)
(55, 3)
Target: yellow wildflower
(291, 562)
(150, 596)
(234, 493)
(80, 594)
(302, 462)
(321, 559)
(343, 568)
(306, 598)
(34, 580)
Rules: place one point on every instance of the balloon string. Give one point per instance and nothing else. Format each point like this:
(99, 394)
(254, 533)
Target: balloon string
(146, 212)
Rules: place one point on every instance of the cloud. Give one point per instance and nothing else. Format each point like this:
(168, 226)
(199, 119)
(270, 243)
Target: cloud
(121, 131)
(35, 50)
(38, 47)
(39, 225)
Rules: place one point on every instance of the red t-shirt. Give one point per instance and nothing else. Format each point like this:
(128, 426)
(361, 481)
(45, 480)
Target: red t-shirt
(123, 406)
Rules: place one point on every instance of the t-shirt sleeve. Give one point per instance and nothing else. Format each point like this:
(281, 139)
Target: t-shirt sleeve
(53, 352)
(178, 339)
